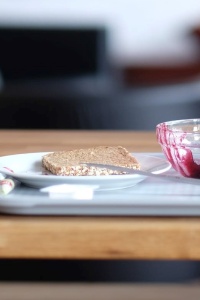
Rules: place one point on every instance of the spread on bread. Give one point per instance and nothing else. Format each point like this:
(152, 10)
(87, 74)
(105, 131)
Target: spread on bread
(71, 162)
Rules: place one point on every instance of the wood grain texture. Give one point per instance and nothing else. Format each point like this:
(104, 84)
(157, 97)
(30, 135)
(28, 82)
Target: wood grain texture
(99, 238)
(22, 141)
(92, 237)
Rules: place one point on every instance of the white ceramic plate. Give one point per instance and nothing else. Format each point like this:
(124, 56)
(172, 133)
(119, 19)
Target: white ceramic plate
(27, 168)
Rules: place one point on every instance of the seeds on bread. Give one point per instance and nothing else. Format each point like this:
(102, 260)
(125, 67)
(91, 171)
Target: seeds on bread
(71, 162)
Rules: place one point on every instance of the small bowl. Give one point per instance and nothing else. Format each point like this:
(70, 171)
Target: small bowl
(180, 142)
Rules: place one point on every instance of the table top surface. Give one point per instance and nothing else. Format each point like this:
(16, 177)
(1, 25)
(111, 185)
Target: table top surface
(90, 237)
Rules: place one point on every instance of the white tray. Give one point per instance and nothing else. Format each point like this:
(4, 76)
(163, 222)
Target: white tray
(150, 197)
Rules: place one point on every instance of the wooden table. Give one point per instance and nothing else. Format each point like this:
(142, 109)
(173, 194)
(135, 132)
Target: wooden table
(93, 237)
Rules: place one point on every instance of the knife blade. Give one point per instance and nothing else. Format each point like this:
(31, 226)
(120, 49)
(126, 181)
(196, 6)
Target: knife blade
(178, 179)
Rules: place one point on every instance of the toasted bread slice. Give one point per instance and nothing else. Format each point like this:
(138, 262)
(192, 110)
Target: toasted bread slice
(71, 163)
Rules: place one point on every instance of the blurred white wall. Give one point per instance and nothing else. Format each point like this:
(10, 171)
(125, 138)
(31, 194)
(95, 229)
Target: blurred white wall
(139, 30)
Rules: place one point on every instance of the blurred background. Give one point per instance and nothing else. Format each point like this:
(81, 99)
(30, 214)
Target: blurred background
(98, 64)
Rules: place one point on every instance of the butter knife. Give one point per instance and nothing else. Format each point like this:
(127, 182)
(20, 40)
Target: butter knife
(178, 179)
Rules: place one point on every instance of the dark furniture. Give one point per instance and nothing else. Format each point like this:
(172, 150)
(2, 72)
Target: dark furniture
(61, 78)
(46, 72)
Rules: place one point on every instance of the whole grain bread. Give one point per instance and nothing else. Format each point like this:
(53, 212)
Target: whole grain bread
(71, 163)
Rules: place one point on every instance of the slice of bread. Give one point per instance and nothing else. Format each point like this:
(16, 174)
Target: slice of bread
(71, 163)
